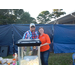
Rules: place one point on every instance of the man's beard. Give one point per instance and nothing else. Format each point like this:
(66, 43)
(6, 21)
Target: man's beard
(32, 30)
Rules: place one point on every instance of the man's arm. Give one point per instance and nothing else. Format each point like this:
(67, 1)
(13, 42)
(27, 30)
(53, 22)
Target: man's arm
(25, 35)
(37, 36)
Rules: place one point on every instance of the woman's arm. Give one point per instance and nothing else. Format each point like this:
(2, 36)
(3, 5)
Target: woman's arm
(47, 41)
(44, 44)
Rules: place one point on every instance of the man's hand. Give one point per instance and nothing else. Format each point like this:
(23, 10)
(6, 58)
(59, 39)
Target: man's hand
(23, 48)
(34, 47)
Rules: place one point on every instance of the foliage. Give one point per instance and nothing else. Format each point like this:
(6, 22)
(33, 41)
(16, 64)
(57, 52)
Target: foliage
(57, 13)
(18, 16)
(46, 16)
(15, 16)
(43, 17)
(25, 18)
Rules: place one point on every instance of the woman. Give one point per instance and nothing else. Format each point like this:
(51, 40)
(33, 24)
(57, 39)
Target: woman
(44, 47)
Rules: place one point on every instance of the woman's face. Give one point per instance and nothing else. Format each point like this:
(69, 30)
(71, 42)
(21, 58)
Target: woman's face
(41, 30)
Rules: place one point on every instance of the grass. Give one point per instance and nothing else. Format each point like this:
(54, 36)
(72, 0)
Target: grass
(9, 56)
(57, 59)
(60, 59)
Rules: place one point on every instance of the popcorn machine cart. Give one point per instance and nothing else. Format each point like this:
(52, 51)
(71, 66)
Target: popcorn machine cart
(29, 51)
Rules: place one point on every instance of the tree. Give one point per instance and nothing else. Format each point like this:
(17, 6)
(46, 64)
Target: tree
(33, 20)
(7, 16)
(43, 17)
(25, 18)
(18, 12)
(15, 16)
(57, 13)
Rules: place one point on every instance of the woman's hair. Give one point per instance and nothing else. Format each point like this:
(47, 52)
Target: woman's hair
(41, 27)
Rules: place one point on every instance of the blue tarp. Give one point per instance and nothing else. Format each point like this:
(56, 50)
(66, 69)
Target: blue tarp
(6, 37)
(19, 30)
(64, 38)
(64, 48)
(10, 34)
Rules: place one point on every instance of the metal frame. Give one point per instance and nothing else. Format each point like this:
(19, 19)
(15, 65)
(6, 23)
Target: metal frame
(39, 55)
(22, 54)
(19, 54)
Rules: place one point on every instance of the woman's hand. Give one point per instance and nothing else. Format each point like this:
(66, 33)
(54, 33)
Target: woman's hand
(41, 45)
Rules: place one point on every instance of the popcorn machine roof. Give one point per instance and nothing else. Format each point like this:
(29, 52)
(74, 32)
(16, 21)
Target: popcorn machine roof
(28, 42)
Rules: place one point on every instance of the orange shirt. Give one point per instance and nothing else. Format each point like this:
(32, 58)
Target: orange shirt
(44, 39)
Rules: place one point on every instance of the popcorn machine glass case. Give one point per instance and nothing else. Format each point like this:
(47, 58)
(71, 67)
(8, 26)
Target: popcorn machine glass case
(29, 51)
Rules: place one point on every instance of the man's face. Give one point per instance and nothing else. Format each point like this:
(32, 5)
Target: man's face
(32, 29)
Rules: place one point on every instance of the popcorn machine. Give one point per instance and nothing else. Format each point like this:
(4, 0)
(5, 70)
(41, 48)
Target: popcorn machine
(29, 51)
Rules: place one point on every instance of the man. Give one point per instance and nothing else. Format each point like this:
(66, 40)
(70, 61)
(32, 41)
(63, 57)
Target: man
(31, 34)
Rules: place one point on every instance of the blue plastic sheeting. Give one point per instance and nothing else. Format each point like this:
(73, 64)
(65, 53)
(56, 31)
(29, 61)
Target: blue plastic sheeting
(64, 38)
(64, 34)
(10, 34)
(20, 29)
(6, 37)
(64, 48)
